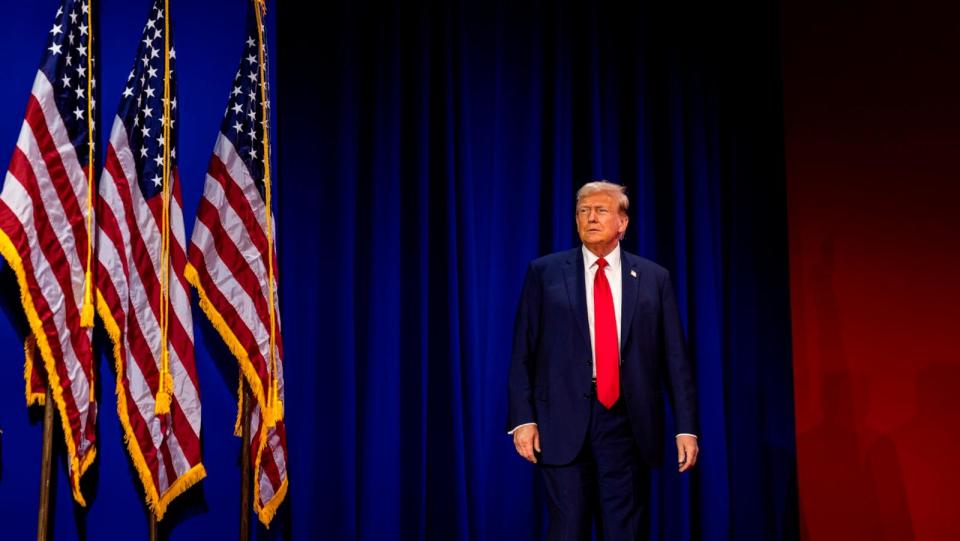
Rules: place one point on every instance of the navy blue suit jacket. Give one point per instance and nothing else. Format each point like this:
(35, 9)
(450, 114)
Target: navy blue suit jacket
(551, 367)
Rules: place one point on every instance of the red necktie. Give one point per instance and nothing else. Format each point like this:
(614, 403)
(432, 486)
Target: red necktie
(606, 345)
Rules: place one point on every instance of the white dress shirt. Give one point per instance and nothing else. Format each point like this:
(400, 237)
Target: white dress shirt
(614, 278)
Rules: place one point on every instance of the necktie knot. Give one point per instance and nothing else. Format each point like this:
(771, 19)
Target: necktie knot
(602, 263)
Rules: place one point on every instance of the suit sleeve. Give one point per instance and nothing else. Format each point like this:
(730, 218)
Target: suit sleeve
(520, 407)
(680, 381)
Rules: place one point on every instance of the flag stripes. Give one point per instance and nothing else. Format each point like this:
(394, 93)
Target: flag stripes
(44, 207)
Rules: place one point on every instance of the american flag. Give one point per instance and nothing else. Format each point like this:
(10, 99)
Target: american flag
(133, 275)
(44, 209)
(230, 263)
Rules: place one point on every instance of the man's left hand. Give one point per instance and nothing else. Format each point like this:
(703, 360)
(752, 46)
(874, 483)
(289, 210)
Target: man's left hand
(687, 451)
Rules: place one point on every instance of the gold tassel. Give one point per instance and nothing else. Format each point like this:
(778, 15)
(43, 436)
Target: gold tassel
(86, 313)
(165, 392)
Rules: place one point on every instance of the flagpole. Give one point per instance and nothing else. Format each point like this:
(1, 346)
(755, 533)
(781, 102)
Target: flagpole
(245, 468)
(153, 525)
(46, 467)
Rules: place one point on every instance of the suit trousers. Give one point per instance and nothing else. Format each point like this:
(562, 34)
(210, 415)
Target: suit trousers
(607, 483)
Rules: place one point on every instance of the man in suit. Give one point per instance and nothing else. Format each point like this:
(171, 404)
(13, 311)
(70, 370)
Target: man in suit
(597, 336)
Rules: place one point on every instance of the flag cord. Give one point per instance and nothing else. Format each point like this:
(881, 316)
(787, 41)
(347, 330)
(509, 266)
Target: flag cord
(274, 409)
(165, 385)
(86, 312)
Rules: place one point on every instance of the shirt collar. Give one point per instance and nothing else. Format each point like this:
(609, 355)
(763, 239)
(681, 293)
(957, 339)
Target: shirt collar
(590, 259)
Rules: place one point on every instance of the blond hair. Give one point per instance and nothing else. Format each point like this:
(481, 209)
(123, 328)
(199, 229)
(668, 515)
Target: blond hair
(618, 191)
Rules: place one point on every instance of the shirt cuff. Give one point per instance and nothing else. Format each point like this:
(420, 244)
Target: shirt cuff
(678, 435)
(518, 426)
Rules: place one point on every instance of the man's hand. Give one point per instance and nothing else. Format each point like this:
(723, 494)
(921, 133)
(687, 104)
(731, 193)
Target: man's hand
(527, 440)
(687, 451)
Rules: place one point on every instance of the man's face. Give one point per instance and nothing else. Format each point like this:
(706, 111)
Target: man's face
(599, 221)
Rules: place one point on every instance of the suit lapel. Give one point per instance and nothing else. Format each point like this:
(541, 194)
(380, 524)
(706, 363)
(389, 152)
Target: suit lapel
(629, 280)
(573, 274)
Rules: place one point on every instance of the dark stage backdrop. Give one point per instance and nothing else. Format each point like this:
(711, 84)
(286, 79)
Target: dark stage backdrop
(428, 152)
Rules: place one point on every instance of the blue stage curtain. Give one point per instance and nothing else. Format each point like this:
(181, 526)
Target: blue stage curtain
(427, 151)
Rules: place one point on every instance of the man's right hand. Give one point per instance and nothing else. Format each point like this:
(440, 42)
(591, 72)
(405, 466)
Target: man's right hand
(527, 440)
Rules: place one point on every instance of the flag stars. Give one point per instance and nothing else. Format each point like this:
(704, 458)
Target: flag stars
(252, 59)
(82, 50)
(149, 91)
(143, 152)
(157, 180)
(83, 29)
(73, 17)
(78, 113)
(251, 42)
(145, 131)
(238, 126)
(82, 71)
(79, 91)
(236, 91)
(160, 140)
(252, 77)
(237, 108)
(57, 28)
(147, 112)
(54, 48)
(66, 81)
(152, 72)
(158, 159)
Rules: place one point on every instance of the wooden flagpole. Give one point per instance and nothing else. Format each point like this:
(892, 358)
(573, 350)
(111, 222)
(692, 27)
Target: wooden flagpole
(153, 525)
(46, 468)
(245, 467)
